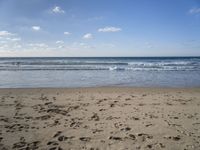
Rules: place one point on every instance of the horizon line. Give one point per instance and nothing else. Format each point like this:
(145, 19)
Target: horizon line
(88, 56)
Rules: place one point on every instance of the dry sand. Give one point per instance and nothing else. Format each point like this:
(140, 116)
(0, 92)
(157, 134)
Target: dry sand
(100, 118)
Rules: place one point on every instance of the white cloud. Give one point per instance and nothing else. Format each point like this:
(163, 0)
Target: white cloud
(9, 41)
(61, 46)
(36, 28)
(36, 45)
(59, 42)
(5, 33)
(88, 36)
(67, 33)
(194, 11)
(109, 29)
(58, 10)
(14, 39)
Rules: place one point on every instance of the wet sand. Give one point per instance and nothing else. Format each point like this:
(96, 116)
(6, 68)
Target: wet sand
(100, 118)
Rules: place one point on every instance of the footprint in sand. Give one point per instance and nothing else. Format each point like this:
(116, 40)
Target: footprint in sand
(144, 136)
(175, 138)
(132, 136)
(96, 131)
(148, 125)
(1, 138)
(54, 143)
(24, 145)
(75, 124)
(95, 117)
(102, 109)
(85, 139)
(64, 138)
(126, 129)
(135, 118)
(56, 148)
(112, 105)
(115, 138)
(57, 134)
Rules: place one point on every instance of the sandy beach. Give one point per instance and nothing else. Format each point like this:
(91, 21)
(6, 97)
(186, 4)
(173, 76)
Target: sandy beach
(100, 118)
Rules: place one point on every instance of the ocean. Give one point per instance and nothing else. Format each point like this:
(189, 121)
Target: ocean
(99, 71)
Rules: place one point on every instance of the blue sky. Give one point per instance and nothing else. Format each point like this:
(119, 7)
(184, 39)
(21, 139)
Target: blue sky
(99, 27)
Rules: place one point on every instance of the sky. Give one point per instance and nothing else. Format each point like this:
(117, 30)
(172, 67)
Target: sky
(73, 28)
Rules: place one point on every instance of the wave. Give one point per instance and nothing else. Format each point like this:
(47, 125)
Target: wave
(64, 63)
(112, 64)
(114, 68)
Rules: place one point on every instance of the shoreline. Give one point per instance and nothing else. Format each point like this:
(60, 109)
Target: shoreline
(101, 87)
(100, 118)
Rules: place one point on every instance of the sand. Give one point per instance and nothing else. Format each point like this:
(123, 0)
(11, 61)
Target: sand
(100, 118)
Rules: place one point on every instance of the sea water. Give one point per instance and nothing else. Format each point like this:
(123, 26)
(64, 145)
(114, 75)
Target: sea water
(99, 71)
